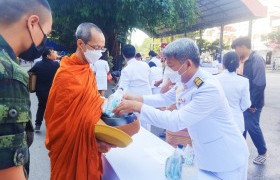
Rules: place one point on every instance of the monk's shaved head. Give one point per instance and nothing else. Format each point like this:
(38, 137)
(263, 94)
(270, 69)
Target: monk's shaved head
(12, 10)
(84, 31)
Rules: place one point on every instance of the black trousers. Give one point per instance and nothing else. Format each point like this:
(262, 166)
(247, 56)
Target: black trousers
(42, 99)
(252, 125)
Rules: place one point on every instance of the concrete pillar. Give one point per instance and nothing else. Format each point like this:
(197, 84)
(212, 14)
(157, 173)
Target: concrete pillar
(221, 43)
(200, 41)
(153, 43)
(250, 29)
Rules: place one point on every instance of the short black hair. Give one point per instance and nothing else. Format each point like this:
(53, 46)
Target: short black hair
(152, 53)
(12, 10)
(47, 52)
(105, 56)
(231, 61)
(152, 64)
(128, 51)
(138, 55)
(246, 41)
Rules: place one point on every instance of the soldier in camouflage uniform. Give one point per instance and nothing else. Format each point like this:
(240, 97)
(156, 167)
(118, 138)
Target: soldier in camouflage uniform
(23, 29)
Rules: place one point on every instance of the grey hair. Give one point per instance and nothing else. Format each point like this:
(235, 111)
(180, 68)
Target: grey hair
(83, 31)
(183, 49)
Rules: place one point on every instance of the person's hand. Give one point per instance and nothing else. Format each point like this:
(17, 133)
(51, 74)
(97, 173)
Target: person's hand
(166, 87)
(157, 83)
(162, 108)
(104, 147)
(252, 109)
(133, 97)
(171, 107)
(128, 106)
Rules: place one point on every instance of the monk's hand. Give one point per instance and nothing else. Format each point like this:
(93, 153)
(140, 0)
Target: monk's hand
(104, 147)
(128, 106)
(133, 97)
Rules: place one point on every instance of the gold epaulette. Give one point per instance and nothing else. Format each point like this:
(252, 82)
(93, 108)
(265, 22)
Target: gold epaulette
(198, 82)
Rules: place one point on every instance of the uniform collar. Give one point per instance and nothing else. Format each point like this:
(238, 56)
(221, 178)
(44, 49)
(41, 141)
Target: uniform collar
(5, 46)
(191, 83)
(131, 60)
(226, 71)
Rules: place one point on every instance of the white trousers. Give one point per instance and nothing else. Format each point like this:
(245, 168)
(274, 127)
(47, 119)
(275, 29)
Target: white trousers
(238, 174)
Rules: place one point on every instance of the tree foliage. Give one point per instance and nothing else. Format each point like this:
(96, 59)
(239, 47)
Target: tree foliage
(117, 17)
(273, 38)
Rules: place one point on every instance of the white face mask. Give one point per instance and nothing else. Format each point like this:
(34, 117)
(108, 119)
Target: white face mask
(93, 55)
(177, 76)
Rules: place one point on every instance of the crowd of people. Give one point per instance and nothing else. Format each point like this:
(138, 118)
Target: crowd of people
(169, 91)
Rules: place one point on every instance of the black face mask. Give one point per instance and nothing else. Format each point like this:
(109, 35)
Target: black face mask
(34, 52)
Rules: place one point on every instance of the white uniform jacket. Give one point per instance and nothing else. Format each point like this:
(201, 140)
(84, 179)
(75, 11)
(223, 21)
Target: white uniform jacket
(237, 92)
(204, 110)
(157, 61)
(135, 78)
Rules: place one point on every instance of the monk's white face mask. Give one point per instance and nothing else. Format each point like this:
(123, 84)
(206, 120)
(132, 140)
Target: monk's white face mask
(93, 56)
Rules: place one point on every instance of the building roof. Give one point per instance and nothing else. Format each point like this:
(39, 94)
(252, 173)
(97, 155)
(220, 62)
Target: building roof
(215, 13)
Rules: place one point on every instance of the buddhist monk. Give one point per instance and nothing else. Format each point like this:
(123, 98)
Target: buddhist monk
(73, 109)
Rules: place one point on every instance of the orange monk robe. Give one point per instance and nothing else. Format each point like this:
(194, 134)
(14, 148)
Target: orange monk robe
(73, 108)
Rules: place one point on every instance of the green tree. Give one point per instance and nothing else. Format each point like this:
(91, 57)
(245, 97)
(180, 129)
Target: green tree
(273, 38)
(117, 18)
(213, 47)
(148, 45)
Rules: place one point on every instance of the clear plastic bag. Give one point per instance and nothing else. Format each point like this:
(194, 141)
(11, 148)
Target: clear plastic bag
(113, 101)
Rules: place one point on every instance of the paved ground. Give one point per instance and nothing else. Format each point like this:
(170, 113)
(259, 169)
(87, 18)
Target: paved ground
(270, 123)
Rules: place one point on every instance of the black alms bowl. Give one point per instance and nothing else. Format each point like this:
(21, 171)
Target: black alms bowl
(119, 121)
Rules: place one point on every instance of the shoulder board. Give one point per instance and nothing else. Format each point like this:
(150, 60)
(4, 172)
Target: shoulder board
(198, 82)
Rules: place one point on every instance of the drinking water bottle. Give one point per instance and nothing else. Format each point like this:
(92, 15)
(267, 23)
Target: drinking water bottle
(173, 166)
(189, 171)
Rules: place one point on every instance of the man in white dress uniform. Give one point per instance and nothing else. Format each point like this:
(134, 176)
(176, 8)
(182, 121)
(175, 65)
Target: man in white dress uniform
(135, 77)
(220, 149)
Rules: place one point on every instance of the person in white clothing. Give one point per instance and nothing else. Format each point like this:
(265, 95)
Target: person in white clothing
(153, 58)
(138, 57)
(221, 151)
(135, 77)
(156, 75)
(235, 87)
(101, 69)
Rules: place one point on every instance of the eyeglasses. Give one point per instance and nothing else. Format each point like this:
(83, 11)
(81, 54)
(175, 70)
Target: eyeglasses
(97, 48)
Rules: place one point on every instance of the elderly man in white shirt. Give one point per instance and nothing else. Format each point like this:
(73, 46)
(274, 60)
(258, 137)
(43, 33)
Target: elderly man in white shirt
(235, 87)
(135, 77)
(220, 149)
